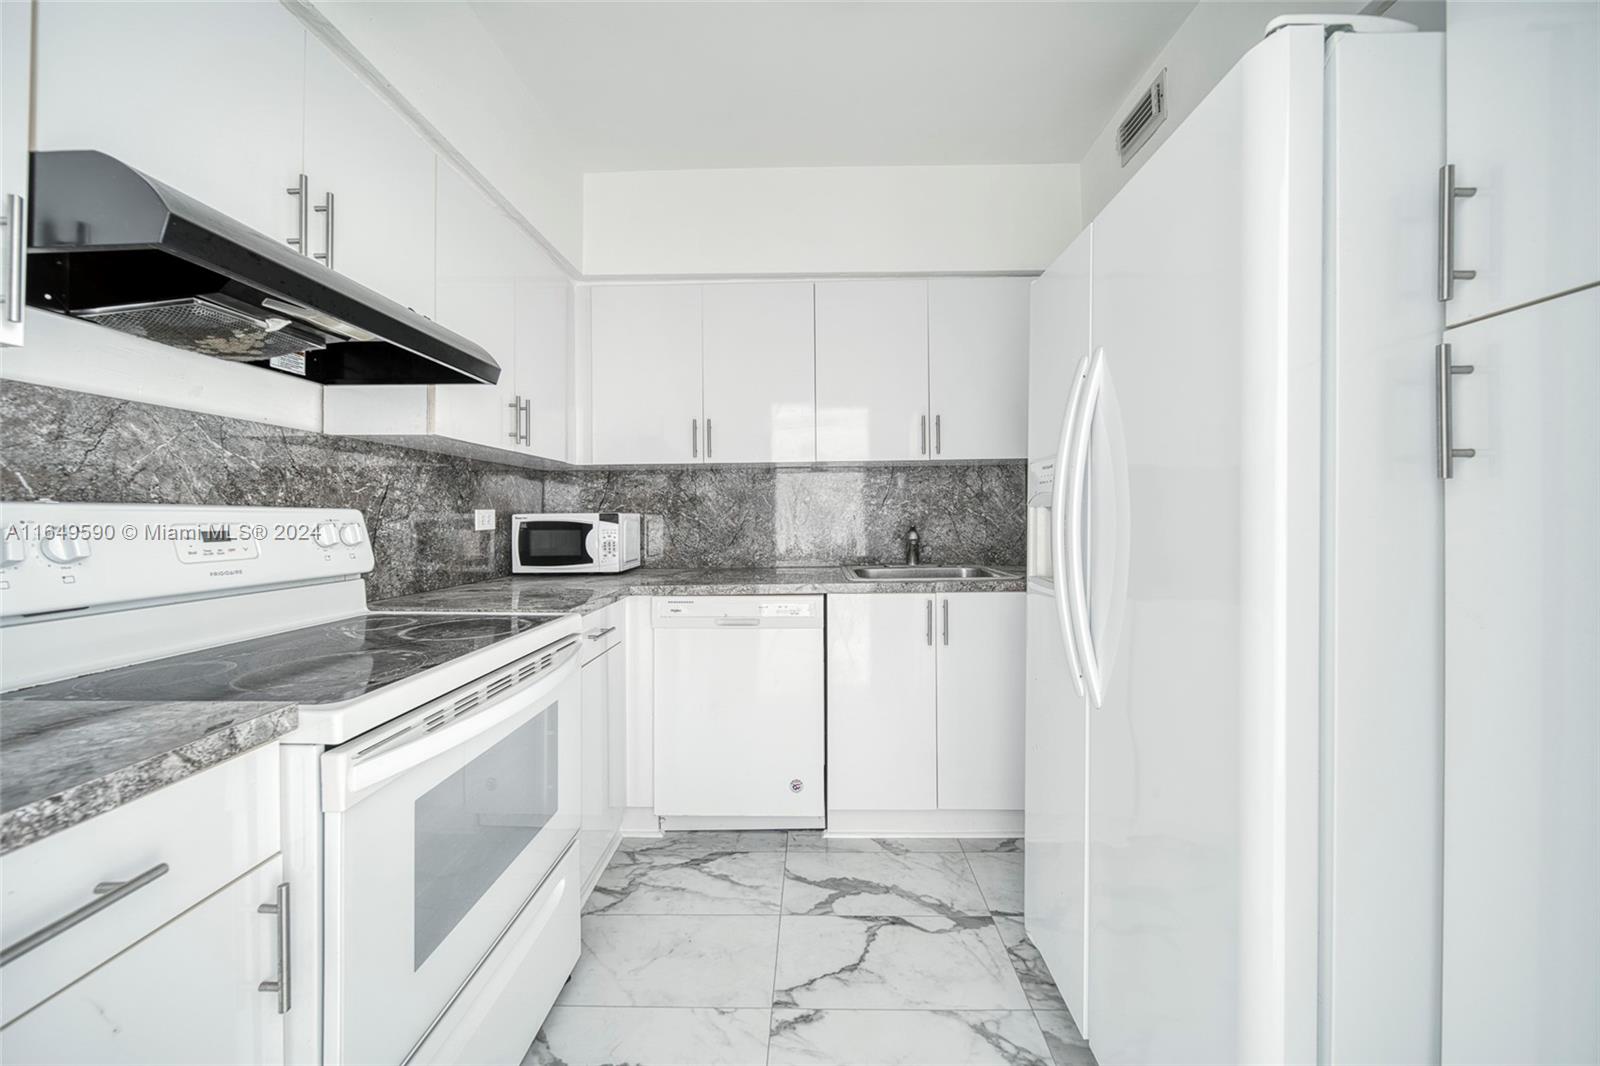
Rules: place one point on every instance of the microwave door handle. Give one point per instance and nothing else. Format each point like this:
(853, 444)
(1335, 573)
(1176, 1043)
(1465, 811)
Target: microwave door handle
(345, 780)
(591, 543)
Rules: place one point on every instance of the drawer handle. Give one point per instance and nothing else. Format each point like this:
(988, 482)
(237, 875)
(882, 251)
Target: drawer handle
(281, 985)
(109, 893)
(598, 633)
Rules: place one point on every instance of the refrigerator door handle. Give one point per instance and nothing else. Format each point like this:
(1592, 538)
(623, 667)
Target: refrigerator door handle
(1058, 522)
(1077, 527)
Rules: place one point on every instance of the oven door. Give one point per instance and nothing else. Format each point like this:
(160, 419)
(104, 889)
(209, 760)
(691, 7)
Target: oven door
(544, 544)
(438, 827)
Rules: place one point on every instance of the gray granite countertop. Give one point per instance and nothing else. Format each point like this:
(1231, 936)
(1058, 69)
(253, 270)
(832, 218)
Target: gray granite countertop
(583, 593)
(64, 761)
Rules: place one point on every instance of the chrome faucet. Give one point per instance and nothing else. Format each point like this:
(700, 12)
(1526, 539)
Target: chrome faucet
(913, 547)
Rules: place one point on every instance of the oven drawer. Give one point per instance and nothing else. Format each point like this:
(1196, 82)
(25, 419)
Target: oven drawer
(500, 1009)
(186, 841)
(602, 631)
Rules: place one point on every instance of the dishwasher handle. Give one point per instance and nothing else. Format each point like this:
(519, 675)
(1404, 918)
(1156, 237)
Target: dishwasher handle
(739, 623)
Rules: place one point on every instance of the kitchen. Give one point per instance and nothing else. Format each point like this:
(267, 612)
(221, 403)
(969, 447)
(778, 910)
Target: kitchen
(997, 553)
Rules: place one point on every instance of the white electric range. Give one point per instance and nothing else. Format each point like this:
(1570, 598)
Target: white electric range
(431, 788)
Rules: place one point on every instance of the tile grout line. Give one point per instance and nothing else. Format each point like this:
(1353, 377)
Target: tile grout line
(783, 887)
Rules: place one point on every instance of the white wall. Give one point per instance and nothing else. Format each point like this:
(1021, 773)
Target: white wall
(825, 220)
(1204, 48)
(443, 62)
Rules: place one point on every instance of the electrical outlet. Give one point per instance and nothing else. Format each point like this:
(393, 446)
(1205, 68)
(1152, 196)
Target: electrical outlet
(483, 519)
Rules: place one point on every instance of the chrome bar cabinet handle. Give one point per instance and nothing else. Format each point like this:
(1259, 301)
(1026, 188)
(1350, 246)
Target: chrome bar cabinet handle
(302, 214)
(527, 421)
(694, 438)
(929, 633)
(108, 891)
(1448, 452)
(326, 210)
(922, 448)
(944, 621)
(708, 438)
(281, 985)
(938, 435)
(515, 406)
(596, 634)
(1449, 193)
(16, 223)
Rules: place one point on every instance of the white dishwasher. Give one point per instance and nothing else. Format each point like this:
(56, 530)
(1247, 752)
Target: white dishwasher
(739, 711)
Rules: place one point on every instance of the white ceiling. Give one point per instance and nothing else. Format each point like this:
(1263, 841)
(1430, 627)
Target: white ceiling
(668, 85)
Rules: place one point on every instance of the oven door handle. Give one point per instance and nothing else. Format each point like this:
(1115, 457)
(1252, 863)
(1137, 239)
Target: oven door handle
(347, 777)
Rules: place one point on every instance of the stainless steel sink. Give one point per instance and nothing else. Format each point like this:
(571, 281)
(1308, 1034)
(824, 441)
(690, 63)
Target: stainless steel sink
(923, 573)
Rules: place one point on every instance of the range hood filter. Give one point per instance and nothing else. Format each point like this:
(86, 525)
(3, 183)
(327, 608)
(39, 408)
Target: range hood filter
(208, 328)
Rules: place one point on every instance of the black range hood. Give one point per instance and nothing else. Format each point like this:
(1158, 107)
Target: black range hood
(113, 246)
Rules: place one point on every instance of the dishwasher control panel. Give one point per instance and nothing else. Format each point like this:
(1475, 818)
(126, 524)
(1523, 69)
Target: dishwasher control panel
(765, 611)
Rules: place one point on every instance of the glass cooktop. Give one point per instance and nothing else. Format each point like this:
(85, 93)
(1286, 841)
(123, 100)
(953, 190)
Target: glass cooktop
(327, 663)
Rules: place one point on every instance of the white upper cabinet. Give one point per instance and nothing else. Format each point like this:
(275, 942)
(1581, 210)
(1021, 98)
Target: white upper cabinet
(477, 299)
(760, 388)
(208, 98)
(371, 185)
(872, 370)
(1522, 87)
(16, 46)
(978, 367)
(645, 345)
(543, 350)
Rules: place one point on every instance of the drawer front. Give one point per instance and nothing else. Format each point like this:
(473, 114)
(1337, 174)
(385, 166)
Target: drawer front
(189, 993)
(502, 1006)
(602, 631)
(206, 830)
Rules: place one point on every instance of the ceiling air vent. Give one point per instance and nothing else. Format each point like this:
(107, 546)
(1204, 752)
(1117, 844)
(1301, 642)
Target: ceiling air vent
(1148, 112)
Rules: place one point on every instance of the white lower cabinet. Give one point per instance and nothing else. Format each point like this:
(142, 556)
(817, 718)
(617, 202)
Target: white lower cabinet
(981, 693)
(882, 728)
(925, 701)
(187, 993)
(604, 683)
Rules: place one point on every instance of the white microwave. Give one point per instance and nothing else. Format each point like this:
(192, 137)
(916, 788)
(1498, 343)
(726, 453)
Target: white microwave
(600, 543)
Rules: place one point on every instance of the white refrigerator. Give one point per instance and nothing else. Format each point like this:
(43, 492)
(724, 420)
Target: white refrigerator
(1234, 696)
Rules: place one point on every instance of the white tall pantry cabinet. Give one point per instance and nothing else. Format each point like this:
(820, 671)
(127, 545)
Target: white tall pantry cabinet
(1518, 376)
(1522, 81)
(16, 47)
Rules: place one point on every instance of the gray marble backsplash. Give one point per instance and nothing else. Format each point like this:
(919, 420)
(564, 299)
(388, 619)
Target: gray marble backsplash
(756, 516)
(81, 448)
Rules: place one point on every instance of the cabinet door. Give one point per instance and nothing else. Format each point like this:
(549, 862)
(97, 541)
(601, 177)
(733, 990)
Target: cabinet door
(1522, 690)
(208, 98)
(872, 370)
(978, 367)
(1522, 106)
(645, 341)
(982, 649)
(594, 835)
(379, 227)
(187, 993)
(543, 346)
(477, 299)
(760, 373)
(16, 46)
(882, 729)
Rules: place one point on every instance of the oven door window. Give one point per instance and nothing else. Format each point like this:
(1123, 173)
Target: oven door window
(554, 544)
(472, 825)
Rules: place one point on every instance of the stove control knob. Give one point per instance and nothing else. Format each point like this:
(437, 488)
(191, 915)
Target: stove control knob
(64, 550)
(327, 535)
(350, 533)
(15, 551)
